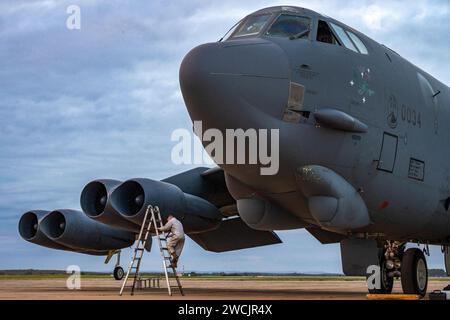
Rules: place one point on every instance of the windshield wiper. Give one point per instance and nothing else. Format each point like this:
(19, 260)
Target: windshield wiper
(299, 35)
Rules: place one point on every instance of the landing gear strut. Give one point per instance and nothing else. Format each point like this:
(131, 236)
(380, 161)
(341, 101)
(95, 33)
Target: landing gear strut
(386, 282)
(118, 270)
(409, 265)
(390, 264)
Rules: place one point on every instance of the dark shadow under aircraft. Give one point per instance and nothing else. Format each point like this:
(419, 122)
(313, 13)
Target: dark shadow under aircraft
(361, 156)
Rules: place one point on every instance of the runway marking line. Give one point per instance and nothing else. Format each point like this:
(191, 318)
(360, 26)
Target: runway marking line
(393, 296)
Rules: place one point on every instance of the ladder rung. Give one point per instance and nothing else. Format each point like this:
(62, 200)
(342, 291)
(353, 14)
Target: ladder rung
(151, 219)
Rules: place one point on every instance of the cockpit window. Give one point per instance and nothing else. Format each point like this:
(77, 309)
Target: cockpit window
(337, 35)
(288, 25)
(230, 32)
(251, 26)
(324, 34)
(343, 37)
(361, 47)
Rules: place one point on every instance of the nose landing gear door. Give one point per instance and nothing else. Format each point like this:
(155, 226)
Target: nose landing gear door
(388, 153)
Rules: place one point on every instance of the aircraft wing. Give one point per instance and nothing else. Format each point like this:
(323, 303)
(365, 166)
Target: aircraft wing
(206, 183)
(234, 234)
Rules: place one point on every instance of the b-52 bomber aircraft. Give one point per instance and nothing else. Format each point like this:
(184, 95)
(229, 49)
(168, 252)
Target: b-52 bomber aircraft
(362, 157)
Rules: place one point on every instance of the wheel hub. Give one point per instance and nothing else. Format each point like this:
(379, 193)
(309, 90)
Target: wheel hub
(421, 274)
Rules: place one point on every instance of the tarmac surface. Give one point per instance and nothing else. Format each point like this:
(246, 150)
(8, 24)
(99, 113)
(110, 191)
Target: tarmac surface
(217, 289)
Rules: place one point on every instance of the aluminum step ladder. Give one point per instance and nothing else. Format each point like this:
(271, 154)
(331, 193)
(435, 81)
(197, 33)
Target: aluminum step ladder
(152, 218)
(165, 254)
(135, 263)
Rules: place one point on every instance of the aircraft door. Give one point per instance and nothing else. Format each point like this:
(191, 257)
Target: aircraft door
(388, 153)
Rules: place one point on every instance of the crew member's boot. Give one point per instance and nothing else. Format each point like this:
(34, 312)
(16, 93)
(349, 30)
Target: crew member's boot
(174, 261)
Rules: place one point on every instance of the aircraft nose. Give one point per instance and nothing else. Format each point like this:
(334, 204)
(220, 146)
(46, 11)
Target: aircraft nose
(220, 79)
(195, 67)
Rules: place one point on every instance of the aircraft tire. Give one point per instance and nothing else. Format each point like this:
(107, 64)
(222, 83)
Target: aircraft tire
(414, 272)
(387, 283)
(118, 273)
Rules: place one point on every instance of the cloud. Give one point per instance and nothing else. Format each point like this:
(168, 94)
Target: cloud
(101, 102)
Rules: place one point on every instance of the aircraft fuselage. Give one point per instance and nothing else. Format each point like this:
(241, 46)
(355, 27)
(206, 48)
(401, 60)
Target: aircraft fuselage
(398, 166)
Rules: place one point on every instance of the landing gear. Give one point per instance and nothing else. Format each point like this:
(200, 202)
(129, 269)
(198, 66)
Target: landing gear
(414, 272)
(409, 265)
(389, 267)
(118, 273)
(385, 280)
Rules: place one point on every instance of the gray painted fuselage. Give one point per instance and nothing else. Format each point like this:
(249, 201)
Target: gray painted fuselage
(399, 166)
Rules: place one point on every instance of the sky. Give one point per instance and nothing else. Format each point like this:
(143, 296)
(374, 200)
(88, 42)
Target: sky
(102, 102)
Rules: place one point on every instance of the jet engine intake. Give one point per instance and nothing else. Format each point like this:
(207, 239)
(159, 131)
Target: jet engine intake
(262, 214)
(132, 197)
(95, 203)
(75, 230)
(31, 231)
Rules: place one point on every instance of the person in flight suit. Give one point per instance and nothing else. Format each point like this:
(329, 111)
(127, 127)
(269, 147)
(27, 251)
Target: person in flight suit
(175, 238)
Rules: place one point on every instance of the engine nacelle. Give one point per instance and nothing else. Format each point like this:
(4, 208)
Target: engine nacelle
(96, 204)
(259, 213)
(132, 197)
(75, 230)
(31, 231)
(333, 202)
